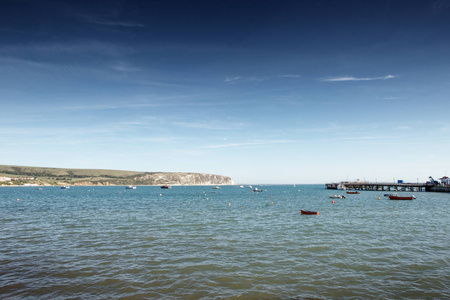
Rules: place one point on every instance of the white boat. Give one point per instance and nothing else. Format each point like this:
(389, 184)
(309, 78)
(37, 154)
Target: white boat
(65, 187)
(241, 186)
(394, 194)
(257, 190)
(130, 187)
(216, 188)
(337, 196)
(340, 186)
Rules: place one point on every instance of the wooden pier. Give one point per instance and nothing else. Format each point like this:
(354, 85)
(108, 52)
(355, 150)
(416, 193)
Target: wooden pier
(382, 186)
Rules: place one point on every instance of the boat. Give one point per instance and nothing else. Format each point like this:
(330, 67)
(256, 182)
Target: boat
(216, 188)
(412, 197)
(340, 186)
(257, 190)
(394, 194)
(130, 187)
(337, 196)
(307, 212)
(353, 192)
(241, 186)
(65, 187)
(166, 187)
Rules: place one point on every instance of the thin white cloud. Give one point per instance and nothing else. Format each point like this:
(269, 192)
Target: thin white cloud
(232, 79)
(403, 128)
(289, 76)
(124, 67)
(258, 78)
(204, 125)
(250, 143)
(121, 24)
(350, 78)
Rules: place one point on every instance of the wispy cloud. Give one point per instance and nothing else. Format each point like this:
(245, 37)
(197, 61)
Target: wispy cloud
(236, 79)
(289, 76)
(403, 127)
(249, 143)
(350, 78)
(232, 79)
(121, 24)
(124, 67)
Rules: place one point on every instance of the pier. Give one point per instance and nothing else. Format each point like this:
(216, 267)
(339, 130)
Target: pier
(383, 186)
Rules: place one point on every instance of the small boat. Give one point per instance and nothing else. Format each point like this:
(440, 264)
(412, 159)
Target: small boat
(166, 187)
(337, 196)
(412, 197)
(65, 187)
(307, 212)
(340, 186)
(394, 194)
(353, 192)
(216, 188)
(130, 187)
(257, 190)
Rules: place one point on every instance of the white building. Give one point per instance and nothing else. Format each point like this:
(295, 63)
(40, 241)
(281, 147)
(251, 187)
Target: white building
(4, 179)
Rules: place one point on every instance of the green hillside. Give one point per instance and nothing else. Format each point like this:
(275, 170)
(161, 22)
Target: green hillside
(59, 176)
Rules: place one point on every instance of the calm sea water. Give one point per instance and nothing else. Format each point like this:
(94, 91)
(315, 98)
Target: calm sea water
(191, 243)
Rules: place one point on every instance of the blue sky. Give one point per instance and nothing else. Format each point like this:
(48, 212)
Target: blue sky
(261, 91)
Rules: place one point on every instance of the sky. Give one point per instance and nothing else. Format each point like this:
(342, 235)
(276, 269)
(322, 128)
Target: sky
(261, 91)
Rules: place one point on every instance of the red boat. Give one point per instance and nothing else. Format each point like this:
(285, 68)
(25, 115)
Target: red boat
(352, 192)
(307, 212)
(166, 187)
(392, 197)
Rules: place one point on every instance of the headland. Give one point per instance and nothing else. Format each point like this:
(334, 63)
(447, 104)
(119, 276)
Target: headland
(40, 176)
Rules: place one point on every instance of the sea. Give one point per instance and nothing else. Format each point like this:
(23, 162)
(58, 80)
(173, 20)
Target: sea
(196, 242)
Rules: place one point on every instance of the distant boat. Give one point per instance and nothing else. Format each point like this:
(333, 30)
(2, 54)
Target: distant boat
(307, 212)
(65, 187)
(353, 192)
(394, 194)
(166, 187)
(337, 196)
(130, 187)
(412, 197)
(340, 186)
(216, 188)
(241, 186)
(257, 190)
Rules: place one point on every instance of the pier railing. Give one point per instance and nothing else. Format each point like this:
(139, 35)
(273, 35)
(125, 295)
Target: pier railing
(382, 186)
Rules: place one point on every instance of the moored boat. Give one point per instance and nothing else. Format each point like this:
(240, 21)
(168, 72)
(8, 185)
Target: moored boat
(130, 187)
(166, 187)
(353, 192)
(394, 194)
(337, 196)
(216, 188)
(412, 197)
(308, 212)
(257, 190)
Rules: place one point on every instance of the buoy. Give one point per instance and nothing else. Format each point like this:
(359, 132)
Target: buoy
(17, 199)
(272, 202)
(378, 198)
(332, 201)
(229, 204)
(160, 195)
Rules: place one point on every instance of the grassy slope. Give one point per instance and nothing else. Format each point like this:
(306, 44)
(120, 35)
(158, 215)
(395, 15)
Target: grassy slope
(57, 172)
